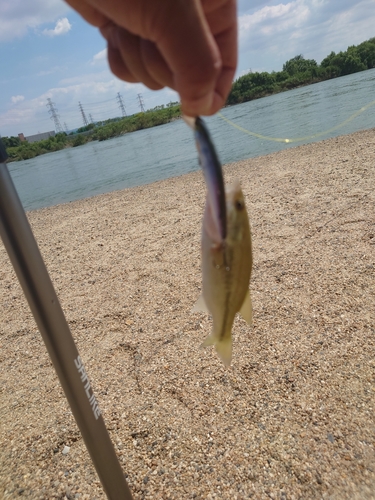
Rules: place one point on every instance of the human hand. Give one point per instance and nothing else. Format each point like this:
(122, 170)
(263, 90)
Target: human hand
(187, 45)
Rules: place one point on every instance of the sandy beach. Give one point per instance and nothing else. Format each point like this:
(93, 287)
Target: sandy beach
(294, 416)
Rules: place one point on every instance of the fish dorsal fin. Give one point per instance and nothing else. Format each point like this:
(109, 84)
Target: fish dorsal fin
(200, 305)
(246, 310)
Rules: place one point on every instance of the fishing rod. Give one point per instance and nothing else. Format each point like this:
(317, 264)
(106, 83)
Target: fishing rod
(33, 276)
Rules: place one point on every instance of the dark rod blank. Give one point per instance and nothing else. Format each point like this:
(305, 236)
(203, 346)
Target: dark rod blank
(32, 273)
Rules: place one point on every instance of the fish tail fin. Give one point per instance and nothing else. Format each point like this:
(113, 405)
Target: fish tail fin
(223, 347)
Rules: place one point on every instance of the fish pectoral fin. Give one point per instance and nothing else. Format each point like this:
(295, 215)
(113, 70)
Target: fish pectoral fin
(210, 340)
(200, 305)
(246, 310)
(223, 347)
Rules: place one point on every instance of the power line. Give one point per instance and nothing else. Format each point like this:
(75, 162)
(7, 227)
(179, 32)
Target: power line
(141, 103)
(91, 105)
(100, 102)
(54, 116)
(121, 104)
(85, 121)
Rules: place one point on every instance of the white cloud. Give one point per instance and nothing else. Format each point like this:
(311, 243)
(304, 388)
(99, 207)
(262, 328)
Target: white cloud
(270, 20)
(100, 57)
(96, 91)
(18, 16)
(89, 79)
(62, 26)
(270, 35)
(50, 71)
(17, 98)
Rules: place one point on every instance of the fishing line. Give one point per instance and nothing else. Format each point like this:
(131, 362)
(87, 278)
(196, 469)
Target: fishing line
(297, 139)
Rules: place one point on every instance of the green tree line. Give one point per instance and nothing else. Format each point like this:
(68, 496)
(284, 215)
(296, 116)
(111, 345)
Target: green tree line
(296, 72)
(300, 71)
(23, 150)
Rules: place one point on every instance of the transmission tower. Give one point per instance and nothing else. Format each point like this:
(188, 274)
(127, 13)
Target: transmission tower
(66, 127)
(54, 116)
(121, 103)
(91, 118)
(85, 121)
(141, 103)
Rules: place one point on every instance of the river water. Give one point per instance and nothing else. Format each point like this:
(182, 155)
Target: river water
(168, 150)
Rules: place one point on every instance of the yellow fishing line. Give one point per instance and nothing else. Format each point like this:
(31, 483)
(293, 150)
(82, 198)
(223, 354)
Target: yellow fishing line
(297, 139)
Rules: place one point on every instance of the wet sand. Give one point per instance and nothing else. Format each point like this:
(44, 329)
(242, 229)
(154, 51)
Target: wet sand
(293, 418)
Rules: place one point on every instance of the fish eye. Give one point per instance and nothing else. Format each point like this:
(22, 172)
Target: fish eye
(239, 204)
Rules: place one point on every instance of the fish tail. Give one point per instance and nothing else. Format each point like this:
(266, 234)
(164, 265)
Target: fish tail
(223, 347)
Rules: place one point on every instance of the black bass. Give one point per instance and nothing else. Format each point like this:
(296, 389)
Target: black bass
(226, 249)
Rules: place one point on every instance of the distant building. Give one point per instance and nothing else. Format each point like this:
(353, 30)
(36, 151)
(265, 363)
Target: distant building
(37, 137)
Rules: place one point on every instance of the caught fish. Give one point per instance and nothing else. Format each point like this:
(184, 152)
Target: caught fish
(226, 249)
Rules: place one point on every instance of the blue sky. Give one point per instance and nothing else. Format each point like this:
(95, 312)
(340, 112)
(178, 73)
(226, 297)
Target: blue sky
(48, 51)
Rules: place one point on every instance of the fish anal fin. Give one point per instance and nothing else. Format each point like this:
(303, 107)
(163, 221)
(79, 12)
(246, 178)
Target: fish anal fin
(200, 305)
(246, 310)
